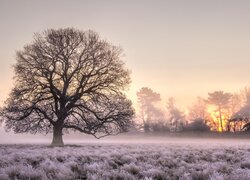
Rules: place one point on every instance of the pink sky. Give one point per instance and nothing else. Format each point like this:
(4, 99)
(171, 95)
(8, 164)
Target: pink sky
(178, 48)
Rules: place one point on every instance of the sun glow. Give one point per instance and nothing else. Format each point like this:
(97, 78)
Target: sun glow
(215, 118)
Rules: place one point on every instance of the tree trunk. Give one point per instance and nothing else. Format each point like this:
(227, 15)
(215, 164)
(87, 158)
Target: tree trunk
(57, 137)
(221, 126)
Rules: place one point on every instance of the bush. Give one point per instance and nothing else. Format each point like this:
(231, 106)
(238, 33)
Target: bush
(197, 125)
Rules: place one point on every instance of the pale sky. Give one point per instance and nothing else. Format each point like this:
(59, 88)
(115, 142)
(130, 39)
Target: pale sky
(179, 48)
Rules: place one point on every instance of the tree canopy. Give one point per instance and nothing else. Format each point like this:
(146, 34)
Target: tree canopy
(149, 112)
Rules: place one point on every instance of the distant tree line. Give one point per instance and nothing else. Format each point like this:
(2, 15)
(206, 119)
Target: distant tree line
(220, 112)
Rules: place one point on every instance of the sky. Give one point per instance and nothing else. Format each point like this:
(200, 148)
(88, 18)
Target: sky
(179, 48)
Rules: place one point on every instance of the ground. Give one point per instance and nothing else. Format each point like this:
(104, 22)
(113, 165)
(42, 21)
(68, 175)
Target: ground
(135, 159)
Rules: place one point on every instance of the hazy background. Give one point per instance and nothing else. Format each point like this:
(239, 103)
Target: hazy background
(178, 48)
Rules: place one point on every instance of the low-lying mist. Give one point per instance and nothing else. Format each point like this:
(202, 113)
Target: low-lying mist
(189, 138)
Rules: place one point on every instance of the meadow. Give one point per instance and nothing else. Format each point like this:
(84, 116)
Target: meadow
(174, 158)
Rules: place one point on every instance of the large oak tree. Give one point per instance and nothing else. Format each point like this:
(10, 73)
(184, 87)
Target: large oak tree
(67, 79)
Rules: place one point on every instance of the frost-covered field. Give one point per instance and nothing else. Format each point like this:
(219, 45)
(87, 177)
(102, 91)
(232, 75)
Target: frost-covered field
(181, 160)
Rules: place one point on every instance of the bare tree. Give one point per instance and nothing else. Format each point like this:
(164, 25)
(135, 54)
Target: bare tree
(235, 105)
(245, 94)
(199, 110)
(241, 118)
(67, 79)
(176, 116)
(221, 100)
